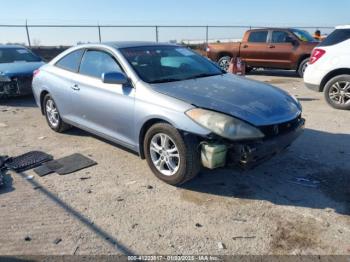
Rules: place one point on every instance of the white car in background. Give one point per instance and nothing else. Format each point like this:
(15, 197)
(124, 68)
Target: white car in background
(329, 68)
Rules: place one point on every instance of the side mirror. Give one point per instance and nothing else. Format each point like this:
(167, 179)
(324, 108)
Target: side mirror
(114, 78)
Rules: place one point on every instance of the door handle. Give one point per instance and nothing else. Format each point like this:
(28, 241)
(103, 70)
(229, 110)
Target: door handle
(272, 46)
(245, 46)
(75, 87)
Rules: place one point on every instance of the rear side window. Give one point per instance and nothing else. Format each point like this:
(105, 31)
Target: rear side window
(71, 61)
(338, 36)
(258, 37)
(279, 37)
(95, 63)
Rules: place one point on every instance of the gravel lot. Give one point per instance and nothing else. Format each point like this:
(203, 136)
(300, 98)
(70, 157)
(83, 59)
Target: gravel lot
(119, 207)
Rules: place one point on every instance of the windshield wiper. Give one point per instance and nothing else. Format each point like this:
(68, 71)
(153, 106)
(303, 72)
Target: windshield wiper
(164, 80)
(202, 75)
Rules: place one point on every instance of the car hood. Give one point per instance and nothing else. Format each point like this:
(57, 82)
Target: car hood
(254, 102)
(19, 68)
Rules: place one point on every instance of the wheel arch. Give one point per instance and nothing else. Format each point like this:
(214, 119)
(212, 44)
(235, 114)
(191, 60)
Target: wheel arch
(301, 59)
(143, 131)
(334, 73)
(224, 53)
(42, 95)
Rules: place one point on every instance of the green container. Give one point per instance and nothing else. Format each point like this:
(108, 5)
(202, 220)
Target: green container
(213, 155)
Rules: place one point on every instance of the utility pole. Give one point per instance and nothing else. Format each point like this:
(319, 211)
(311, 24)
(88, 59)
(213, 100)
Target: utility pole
(99, 33)
(28, 37)
(157, 37)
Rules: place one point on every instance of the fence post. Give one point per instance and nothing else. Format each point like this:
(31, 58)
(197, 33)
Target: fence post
(99, 33)
(28, 37)
(157, 37)
(206, 36)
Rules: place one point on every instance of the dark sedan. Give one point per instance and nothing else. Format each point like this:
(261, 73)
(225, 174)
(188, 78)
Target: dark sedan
(17, 65)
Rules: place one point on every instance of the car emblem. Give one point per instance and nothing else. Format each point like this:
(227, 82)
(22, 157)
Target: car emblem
(275, 129)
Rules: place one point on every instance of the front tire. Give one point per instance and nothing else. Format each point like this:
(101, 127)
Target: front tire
(302, 67)
(52, 115)
(172, 157)
(337, 92)
(224, 62)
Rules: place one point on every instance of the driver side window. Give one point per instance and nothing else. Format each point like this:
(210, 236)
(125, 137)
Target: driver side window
(280, 37)
(95, 63)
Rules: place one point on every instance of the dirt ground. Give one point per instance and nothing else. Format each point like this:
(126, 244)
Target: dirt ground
(297, 203)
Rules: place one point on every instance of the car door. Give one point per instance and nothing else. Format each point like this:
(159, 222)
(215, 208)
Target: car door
(105, 109)
(63, 76)
(281, 49)
(254, 50)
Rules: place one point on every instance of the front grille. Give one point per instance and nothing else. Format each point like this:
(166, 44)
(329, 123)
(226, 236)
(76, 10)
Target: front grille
(24, 83)
(17, 86)
(280, 129)
(8, 88)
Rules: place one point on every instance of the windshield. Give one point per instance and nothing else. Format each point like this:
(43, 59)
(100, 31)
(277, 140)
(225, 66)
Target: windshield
(12, 55)
(160, 64)
(303, 35)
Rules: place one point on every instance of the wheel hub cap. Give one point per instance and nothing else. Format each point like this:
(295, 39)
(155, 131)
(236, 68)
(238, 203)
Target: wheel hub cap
(164, 154)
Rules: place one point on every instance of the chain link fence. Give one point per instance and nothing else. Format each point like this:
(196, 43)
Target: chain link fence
(67, 35)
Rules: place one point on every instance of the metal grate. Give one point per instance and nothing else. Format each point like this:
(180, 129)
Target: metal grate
(280, 129)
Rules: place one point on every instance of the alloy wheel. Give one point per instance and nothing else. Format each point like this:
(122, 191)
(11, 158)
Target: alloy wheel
(164, 154)
(224, 63)
(52, 113)
(339, 93)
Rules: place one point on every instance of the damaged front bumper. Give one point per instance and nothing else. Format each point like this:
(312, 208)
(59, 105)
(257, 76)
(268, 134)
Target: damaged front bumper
(249, 154)
(15, 86)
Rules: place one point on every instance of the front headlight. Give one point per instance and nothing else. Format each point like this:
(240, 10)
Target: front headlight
(4, 78)
(223, 125)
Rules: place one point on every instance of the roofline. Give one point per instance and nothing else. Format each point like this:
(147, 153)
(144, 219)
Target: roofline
(276, 28)
(125, 44)
(342, 27)
(12, 46)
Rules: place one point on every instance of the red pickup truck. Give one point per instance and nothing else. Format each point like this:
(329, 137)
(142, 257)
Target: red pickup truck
(282, 48)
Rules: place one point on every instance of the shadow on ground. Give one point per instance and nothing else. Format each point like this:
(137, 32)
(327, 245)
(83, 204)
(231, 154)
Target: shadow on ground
(74, 131)
(274, 72)
(319, 180)
(7, 186)
(23, 101)
(109, 239)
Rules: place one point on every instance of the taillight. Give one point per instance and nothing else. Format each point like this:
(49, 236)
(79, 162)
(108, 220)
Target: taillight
(316, 55)
(36, 72)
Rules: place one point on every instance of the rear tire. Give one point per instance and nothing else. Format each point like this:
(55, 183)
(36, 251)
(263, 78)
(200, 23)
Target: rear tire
(248, 69)
(224, 62)
(52, 115)
(175, 161)
(337, 92)
(302, 67)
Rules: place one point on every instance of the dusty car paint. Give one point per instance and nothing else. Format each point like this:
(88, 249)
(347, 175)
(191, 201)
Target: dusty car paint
(255, 102)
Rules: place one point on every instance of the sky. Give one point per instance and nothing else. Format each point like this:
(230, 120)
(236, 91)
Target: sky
(161, 12)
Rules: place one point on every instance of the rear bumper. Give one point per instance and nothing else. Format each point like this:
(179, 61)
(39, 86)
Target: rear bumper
(313, 87)
(249, 155)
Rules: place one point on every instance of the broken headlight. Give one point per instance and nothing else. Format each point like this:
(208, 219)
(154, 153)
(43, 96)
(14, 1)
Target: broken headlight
(4, 78)
(224, 125)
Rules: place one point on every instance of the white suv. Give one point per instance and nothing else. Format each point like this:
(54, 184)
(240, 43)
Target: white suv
(328, 70)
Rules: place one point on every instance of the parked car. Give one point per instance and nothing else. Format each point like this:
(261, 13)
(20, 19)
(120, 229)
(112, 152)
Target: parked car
(17, 65)
(329, 68)
(172, 106)
(281, 48)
